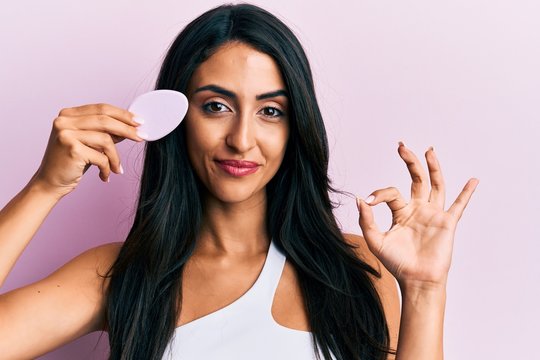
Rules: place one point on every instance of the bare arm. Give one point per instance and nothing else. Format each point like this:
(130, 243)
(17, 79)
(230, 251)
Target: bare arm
(417, 250)
(19, 221)
(79, 137)
(419, 324)
(422, 320)
(58, 309)
(68, 303)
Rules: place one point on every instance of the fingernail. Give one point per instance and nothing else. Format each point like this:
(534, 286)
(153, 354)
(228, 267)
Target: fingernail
(431, 148)
(401, 143)
(107, 179)
(138, 120)
(369, 199)
(358, 203)
(121, 169)
(142, 134)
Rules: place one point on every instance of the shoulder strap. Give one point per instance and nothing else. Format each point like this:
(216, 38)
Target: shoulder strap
(266, 285)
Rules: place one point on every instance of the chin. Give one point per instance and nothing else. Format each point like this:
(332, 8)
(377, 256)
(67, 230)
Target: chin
(236, 193)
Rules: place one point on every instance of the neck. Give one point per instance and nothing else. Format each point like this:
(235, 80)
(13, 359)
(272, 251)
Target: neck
(234, 229)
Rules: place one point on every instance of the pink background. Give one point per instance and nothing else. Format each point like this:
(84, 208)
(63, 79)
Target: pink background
(462, 76)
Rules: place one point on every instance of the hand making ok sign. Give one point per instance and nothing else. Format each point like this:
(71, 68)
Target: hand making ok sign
(417, 249)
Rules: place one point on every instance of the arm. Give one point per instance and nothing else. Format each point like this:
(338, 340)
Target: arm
(58, 309)
(19, 221)
(421, 330)
(79, 137)
(68, 303)
(419, 323)
(417, 250)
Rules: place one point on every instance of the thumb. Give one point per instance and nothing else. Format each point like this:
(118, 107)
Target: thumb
(371, 231)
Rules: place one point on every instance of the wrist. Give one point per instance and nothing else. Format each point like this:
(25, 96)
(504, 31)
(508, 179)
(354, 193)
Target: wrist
(424, 294)
(423, 290)
(422, 321)
(423, 286)
(35, 186)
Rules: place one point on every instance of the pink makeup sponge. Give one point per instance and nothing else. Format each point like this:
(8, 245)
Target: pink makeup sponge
(162, 111)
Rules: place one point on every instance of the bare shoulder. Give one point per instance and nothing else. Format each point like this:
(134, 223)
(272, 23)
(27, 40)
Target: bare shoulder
(386, 285)
(59, 308)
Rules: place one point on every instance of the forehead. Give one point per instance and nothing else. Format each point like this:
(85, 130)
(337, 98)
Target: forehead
(240, 67)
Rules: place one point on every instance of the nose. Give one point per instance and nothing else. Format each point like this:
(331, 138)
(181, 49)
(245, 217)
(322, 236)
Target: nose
(241, 136)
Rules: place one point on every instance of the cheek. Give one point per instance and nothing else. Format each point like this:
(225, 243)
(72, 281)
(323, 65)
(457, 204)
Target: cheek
(275, 145)
(195, 140)
(202, 140)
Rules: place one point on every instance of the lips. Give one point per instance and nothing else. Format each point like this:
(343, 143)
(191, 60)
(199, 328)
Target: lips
(239, 163)
(238, 167)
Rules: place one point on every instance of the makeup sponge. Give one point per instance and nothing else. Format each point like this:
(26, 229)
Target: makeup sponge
(161, 110)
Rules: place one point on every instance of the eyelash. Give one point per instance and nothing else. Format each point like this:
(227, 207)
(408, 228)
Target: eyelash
(206, 109)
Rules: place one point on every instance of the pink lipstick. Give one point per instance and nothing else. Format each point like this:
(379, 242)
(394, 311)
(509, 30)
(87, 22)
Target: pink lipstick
(238, 167)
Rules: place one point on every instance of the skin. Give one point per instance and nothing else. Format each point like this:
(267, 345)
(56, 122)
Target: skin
(68, 303)
(417, 250)
(221, 127)
(233, 241)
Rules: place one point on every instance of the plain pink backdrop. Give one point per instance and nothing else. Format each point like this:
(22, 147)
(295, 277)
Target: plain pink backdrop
(462, 76)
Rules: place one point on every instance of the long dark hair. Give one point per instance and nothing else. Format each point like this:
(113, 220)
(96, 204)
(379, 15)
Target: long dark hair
(144, 296)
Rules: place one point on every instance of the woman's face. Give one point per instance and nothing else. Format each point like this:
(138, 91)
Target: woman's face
(237, 112)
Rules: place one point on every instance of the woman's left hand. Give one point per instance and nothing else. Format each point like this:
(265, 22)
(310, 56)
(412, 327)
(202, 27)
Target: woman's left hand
(417, 249)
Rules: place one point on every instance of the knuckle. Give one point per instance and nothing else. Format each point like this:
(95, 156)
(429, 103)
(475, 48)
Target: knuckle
(110, 142)
(59, 122)
(74, 151)
(64, 136)
(101, 108)
(105, 139)
(102, 161)
(64, 111)
(110, 150)
(438, 185)
(101, 118)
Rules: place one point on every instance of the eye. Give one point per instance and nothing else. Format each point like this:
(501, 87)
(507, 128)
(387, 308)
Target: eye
(214, 107)
(273, 112)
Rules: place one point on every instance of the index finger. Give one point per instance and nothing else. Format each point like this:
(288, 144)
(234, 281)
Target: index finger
(103, 109)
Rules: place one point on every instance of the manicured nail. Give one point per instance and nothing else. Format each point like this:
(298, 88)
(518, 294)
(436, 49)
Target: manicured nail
(370, 199)
(121, 169)
(142, 134)
(138, 120)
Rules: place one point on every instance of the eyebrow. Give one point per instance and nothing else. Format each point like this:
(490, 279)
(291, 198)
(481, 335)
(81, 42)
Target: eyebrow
(230, 94)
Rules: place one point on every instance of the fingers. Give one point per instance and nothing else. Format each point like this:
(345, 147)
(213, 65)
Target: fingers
(91, 156)
(98, 159)
(104, 123)
(437, 194)
(101, 109)
(391, 196)
(419, 186)
(101, 142)
(371, 231)
(457, 208)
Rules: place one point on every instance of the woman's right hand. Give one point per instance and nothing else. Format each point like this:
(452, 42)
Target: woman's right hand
(82, 136)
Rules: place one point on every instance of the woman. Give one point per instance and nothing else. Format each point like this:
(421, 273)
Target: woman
(234, 251)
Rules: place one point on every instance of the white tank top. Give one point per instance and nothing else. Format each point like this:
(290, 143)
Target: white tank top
(244, 329)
